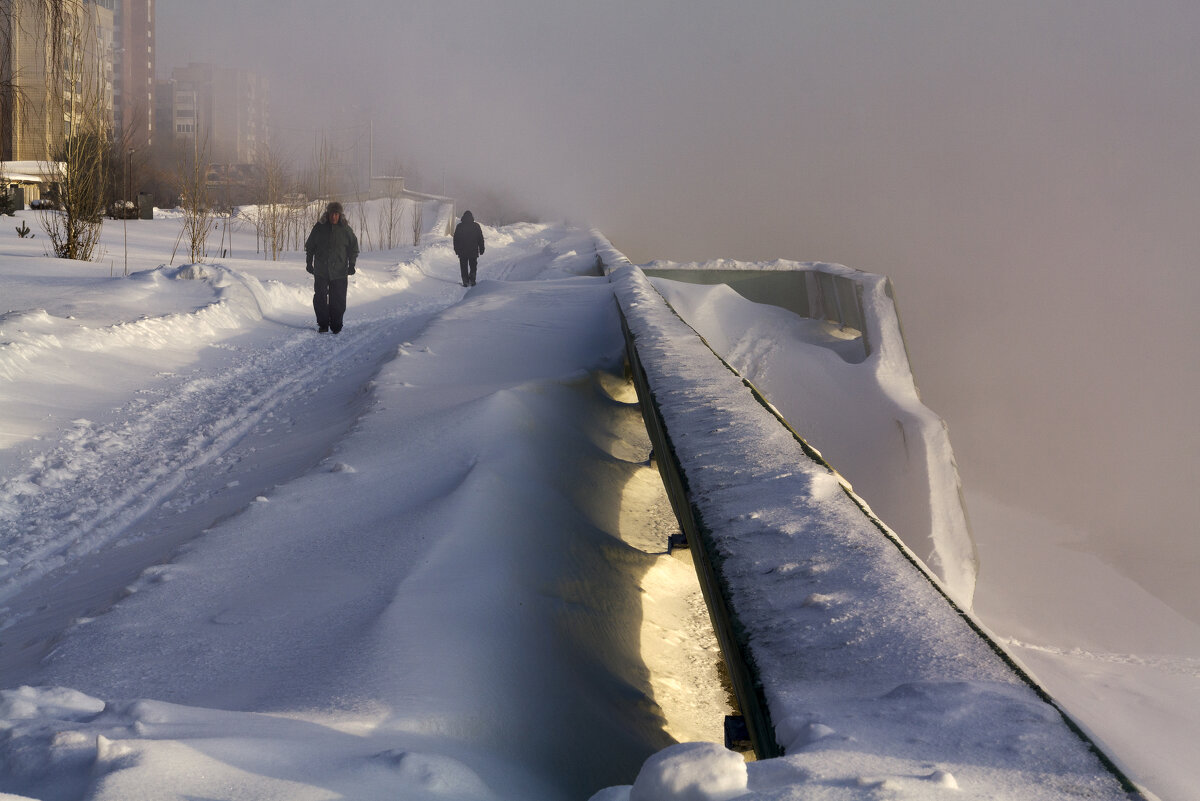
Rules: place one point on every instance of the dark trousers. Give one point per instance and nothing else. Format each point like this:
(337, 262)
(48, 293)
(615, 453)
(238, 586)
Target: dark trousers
(465, 262)
(329, 300)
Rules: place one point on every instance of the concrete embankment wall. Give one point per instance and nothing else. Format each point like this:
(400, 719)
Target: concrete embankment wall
(893, 448)
(828, 622)
(819, 292)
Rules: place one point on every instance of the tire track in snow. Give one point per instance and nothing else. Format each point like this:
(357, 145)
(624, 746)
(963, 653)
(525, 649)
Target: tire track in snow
(99, 479)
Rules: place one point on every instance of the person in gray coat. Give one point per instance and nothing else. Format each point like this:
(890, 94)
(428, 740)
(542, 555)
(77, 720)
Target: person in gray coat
(331, 251)
(468, 246)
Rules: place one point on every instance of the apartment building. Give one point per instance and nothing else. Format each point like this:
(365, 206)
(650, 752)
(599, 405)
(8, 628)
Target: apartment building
(133, 70)
(47, 95)
(219, 111)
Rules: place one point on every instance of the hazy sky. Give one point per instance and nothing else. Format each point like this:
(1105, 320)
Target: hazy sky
(1028, 172)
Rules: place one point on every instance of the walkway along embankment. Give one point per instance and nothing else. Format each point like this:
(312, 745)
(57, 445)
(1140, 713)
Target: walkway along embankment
(838, 638)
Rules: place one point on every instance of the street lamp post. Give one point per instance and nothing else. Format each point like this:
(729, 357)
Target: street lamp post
(125, 204)
(128, 170)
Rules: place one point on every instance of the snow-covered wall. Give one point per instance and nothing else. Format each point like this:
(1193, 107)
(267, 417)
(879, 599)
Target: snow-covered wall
(866, 667)
(848, 389)
(817, 290)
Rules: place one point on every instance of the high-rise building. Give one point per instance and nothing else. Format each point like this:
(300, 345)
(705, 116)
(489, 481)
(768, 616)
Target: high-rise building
(53, 84)
(133, 70)
(221, 112)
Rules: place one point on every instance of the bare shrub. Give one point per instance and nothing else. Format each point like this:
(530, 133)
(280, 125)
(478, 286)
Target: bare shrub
(280, 208)
(82, 160)
(194, 201)
(418, 219)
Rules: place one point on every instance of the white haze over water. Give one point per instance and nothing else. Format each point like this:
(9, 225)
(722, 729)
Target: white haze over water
(1025, 172)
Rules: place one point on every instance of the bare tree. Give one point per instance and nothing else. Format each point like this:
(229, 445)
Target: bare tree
(298, 223)
(198, 214)
(418, 219)
(324, 163)
(361, 205)
(365, 240)
(391, 211)
(278, 211)
(121, 168)
(7, 201)
(74, 228)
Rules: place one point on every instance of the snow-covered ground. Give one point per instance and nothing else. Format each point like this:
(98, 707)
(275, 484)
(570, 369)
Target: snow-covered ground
(419, 559)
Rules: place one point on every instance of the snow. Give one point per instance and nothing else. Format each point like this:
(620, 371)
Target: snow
(423, 558)
(863, 414)
(869, 674)
(1117, 658)
(691, 772)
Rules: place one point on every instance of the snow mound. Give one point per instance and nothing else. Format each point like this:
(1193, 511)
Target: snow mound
(57, 743)
(691, 772)
(685, 772)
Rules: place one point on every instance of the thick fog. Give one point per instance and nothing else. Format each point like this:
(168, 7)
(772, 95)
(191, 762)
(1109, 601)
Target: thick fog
(1027, 172)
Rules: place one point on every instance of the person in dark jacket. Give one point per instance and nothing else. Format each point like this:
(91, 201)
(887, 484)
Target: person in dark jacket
(331, 250)
(468, 246)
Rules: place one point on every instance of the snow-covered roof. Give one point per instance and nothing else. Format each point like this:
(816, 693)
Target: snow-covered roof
(32, 172)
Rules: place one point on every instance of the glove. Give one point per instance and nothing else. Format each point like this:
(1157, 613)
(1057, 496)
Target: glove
(481, 250)
(308, 264)
(351, 270)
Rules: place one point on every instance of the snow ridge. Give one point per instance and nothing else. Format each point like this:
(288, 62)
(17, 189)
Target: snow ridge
(128, 466)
